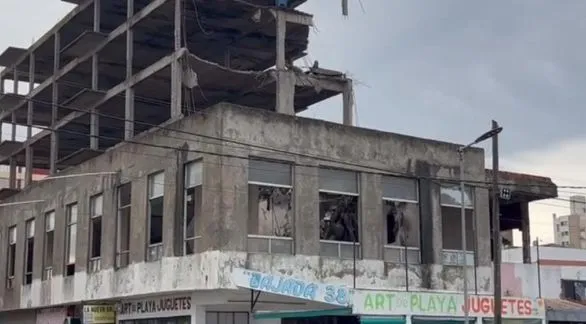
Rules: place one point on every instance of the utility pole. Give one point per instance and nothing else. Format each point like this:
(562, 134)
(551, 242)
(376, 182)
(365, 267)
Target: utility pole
(496, 228)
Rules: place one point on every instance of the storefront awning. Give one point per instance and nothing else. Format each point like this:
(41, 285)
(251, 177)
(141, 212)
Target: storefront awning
(303, 313)
(382, 320)
(560, 310)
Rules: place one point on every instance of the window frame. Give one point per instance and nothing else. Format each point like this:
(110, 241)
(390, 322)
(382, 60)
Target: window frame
(467, 190)
(335, 192)
(198, 163)
(69, 224)
(11, 262)
(120, 208)
(29, 230)
(151, 185)
(94, 262)
(48, 267)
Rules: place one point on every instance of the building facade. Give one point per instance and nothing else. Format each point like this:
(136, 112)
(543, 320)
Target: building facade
(570, 230)
(188, 162)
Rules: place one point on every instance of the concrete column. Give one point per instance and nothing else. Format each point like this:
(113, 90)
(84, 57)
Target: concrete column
(224, 204)
(55, 106)
(28, 179)
(59, 241)
(198, 315)
(306, 206)
(371, 216)
(39, 240)
(129, 102)
(94, 118)
(176, 68)
(109, 223)
(170, 209)
(431, 222)
(12, 160)
(285, 79)
(482, 218)
(83, 231)
(139, 219)
(524, 207)
(348, 104)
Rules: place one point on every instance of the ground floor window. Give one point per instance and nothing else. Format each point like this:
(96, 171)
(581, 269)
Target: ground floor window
(167, 320)
(227, 317)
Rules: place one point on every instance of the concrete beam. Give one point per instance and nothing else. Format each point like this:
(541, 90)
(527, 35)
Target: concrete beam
(117, 90)
(293, 17)
(155, 4)
(50, 33)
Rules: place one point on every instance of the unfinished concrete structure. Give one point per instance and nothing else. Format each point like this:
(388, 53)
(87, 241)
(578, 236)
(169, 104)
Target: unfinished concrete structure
(185, 182)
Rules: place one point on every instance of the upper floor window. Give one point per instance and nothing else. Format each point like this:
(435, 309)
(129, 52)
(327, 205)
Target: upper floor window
(96, 211)
(49, 243)
(451, 203)
(270, 211)
(156, 191)
(29, 251)
(192, 198)
(338, 200)
(11, 260)
(123, 225)
(71, 239)
(401, 215)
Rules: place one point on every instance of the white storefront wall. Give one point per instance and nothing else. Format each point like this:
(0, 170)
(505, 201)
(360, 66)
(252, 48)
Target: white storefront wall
(161, 306)
(51, 315)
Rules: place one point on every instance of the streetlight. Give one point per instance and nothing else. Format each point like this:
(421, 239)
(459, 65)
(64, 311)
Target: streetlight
(493, 133)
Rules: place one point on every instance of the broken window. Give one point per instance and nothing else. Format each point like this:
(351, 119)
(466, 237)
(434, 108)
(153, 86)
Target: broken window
(401, 216)
(270, 212)
(156, 190)
(192, 205)
(123, 225)
(71, 239)
(29, 251)
(338, 204)
(49, 241)
(96, 211)
(10, 266)
(451, 203)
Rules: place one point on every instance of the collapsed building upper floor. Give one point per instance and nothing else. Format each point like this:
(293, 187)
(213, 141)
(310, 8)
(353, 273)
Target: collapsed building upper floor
(110, 70)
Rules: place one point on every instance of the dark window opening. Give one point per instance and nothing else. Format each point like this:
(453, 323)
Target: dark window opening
(156, 222)
(338, 217)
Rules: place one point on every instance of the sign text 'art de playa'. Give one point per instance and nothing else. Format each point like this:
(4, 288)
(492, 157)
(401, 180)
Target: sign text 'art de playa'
(438, 304)
(292, 287)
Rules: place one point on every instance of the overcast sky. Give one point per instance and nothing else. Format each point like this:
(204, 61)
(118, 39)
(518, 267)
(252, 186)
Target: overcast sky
(443, 70)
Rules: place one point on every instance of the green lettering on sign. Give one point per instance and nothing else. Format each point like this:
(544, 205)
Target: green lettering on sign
(427, 303)
(378, 302)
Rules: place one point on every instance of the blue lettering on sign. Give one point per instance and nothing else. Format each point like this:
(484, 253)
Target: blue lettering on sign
(283, 286)
(336, 295)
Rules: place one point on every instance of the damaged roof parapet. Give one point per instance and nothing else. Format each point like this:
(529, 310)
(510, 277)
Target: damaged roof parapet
(217, 83)
(525, 187)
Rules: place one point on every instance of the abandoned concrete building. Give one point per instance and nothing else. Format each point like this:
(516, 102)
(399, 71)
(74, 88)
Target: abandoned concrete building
(175, 156)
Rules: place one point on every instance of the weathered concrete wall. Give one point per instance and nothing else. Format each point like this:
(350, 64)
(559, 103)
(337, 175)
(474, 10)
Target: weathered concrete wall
(225, 206)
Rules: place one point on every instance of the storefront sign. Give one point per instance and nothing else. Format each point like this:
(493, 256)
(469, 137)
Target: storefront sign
(51, 315)
(437, 304)
(292, 287)
(155, 307)
(99, 314)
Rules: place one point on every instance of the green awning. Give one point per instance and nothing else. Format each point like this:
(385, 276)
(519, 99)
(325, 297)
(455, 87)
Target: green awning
(302, 313)
(382, 320)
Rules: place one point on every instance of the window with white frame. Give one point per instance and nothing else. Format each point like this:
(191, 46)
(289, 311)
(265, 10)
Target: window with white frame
(11, 262)
(96, 211)
(401, 216)
(70, 239)
(192, 199)
(338, 214)
(451, 203)
(156, 191)
(123, 225)
(270, 210)
(49, 243)
(227, 318)
(29, 251)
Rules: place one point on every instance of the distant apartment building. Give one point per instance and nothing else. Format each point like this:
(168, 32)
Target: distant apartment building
(570, 230)
(20, 175)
